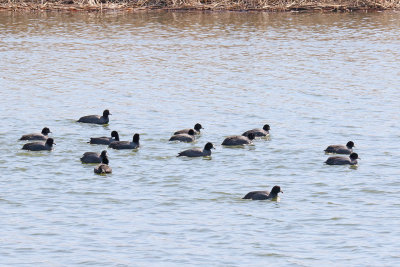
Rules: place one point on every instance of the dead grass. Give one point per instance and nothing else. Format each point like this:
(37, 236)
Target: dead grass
(237, 5)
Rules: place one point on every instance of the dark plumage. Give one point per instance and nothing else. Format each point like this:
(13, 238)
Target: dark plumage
(105, 140)
(37, 146)
(258, 132)
(238, 140)
(341, 149)
(126, 144)
(197, 152)
(196, 129)
(340, 160)
(93, 157)
(103, 167)
(96, 119)
(37, 136)
(189, 137)
(261, 195)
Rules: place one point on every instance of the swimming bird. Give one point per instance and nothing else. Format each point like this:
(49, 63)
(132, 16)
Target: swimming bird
(238, 140)
(105, 140)
(197, 152)
(340, 149)
(126, 144)
(37, 136)
(103, 167)
(196, 130)
(96, 119)
(261, 195)
(37, 146)
(258, 132)
(338, 160)
(189, 137)
(93, 157)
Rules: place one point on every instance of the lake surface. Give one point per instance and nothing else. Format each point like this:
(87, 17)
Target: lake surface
(317, 79)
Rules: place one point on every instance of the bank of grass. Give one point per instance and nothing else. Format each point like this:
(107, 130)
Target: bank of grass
(216, 5)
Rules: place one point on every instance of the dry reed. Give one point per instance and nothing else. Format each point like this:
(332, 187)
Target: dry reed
(237, 5)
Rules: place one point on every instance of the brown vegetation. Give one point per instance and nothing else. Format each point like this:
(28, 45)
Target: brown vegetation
(234, 5)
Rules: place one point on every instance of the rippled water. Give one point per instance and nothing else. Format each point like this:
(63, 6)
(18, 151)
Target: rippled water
(317, 79)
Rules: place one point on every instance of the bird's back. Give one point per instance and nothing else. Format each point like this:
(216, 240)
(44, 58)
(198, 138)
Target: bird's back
(182, 138)
(257, 195)
(35, 136)
(194, 152)
(91, 157)
(184, 131)
(102, 168)
(256, 132)
(236, 141)
(36, 146)
(94, 119)
(100, 140)
(123, 145)
(335, 148)
(337, 161)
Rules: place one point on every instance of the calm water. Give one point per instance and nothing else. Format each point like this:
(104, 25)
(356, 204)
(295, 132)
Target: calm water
(317, 79)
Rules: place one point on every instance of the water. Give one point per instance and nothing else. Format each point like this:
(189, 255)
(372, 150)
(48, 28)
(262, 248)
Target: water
(317, 79)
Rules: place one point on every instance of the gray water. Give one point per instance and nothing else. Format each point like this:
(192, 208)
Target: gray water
(317, 79)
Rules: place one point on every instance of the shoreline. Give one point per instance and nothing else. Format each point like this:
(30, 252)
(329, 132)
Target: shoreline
(201, 5)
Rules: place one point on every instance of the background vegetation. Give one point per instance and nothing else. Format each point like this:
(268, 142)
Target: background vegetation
(242, 5)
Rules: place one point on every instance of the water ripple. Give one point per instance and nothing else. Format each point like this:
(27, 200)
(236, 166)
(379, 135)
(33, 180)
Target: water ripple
(317, 79)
